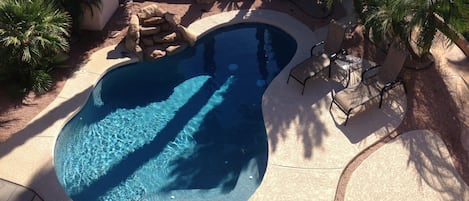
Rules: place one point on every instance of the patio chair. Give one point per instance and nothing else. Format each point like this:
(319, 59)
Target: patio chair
(318, 62)
(375, 82)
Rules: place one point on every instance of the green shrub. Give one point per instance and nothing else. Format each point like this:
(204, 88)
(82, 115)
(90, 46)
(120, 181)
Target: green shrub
(40, 81)
(32, 34)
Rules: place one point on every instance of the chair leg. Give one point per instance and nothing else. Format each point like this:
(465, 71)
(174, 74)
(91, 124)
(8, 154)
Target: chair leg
(333, 99)
(348, 115)
(288, 79)
(330, 70)
(303, 90)
(348, 77)
(346, 119)
(405, 88)
(381, 100)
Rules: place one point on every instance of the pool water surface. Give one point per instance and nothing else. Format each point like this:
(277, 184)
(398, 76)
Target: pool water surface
(186, 127)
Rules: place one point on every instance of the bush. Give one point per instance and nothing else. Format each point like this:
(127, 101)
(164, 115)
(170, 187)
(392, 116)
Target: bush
(32, 34)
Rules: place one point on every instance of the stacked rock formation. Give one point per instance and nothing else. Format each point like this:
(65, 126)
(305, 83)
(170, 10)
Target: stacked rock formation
(156, 33)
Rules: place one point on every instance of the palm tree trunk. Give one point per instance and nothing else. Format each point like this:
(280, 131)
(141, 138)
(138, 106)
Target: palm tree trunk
(452, 34)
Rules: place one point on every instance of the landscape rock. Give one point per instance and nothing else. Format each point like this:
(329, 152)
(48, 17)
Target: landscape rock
(133, 27)
(172, 19)
(176, 48)
(147, 31)
(153, 21)
(166, 38)
(133, 35)
(158, 32)
(187, 35)
(147, 41)
(150, 11)
(154, 52)
(167, 27)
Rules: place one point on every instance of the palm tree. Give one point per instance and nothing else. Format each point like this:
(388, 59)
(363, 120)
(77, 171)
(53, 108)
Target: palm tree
(32, 34)
(413, 22)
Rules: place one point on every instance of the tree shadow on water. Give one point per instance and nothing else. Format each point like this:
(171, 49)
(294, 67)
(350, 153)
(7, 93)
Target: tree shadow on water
(132, 162)
(221, 155)
(217, 161)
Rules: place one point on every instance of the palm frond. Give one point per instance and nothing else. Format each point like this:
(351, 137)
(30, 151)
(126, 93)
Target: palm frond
(413, 21)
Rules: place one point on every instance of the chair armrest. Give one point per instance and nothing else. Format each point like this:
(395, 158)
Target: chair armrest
(393, 83)
(334, 56)
(368, 70)
(387, 87)
(316, 45)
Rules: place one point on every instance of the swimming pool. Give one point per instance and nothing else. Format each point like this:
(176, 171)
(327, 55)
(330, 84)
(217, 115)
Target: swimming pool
(186, 127)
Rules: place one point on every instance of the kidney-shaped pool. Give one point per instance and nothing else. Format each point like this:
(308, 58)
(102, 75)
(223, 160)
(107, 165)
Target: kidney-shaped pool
(186, 127)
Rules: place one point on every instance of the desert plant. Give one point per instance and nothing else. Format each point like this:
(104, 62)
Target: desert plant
(413, 22)
(32, 34)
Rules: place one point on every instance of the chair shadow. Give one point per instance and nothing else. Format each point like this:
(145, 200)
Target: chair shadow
(370, 120)
(296, 109)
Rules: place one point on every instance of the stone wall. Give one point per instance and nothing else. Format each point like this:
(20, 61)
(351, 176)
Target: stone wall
(154, 33)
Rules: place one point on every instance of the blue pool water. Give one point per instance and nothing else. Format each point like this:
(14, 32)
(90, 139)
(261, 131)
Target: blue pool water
(186, 127)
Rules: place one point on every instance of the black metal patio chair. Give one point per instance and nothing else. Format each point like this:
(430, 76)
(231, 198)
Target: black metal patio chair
(372, 85)
(319, 62)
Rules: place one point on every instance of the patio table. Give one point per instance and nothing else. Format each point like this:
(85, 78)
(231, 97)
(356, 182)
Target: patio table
(353, 66)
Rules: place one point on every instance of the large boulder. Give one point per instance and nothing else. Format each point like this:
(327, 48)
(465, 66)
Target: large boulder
(150, 11)
(187, 35)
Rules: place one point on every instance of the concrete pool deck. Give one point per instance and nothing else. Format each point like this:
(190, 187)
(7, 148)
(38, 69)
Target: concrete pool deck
(307, 149)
